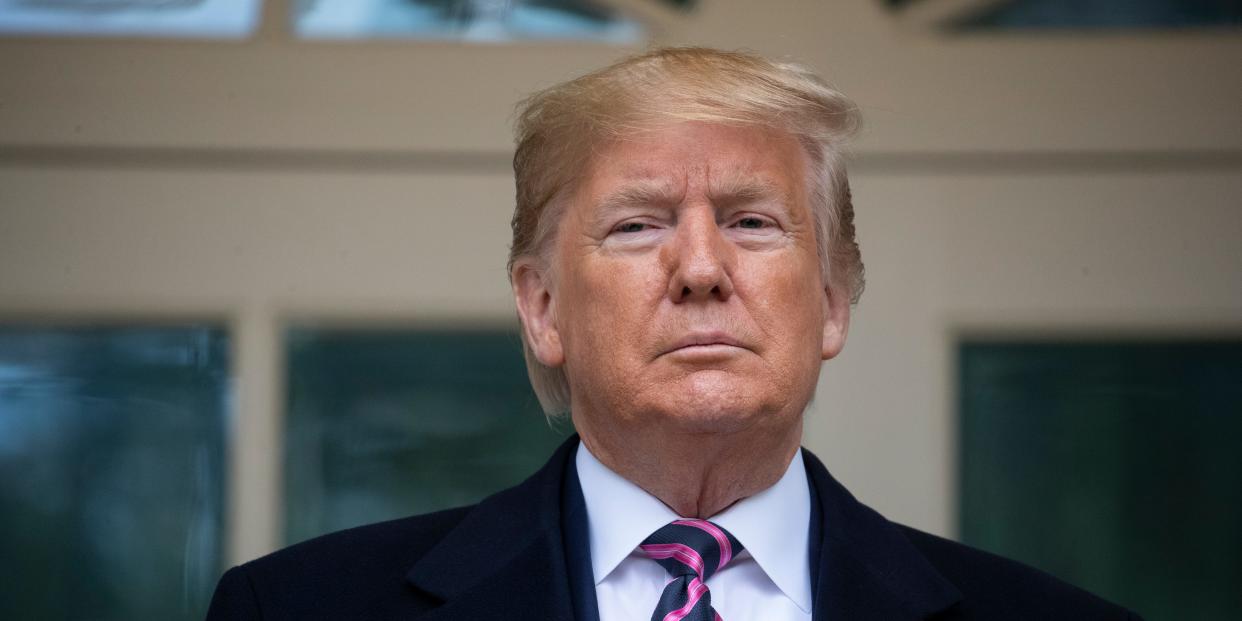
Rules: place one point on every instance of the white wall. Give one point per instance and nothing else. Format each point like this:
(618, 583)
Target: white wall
(1004, 185)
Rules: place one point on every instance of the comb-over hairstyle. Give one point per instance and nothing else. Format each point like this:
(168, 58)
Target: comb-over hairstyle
(557, 130)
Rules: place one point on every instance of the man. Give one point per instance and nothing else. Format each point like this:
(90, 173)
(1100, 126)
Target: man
(683, 260)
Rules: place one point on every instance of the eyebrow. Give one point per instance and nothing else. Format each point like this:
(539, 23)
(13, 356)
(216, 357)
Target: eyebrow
(734, 190)
(645, 192)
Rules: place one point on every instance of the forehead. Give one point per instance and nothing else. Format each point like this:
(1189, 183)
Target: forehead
(721, 161)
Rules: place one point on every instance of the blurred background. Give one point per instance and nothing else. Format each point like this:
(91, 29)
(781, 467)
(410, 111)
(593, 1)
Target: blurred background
(252, 282)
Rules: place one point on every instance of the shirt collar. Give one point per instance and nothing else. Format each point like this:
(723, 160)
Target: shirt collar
(620, 514)
(770, 524)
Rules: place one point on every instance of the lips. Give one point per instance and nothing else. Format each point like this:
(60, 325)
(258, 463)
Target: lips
(705, 340)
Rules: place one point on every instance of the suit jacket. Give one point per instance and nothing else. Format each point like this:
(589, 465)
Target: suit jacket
(511, 556)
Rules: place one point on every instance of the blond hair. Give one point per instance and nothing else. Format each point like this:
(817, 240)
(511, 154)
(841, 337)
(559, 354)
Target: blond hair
(558, 127)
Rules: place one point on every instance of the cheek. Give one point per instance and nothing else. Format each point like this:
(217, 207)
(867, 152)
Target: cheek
(619, 285)
(604, 301)
(790, 314)
(790, 294)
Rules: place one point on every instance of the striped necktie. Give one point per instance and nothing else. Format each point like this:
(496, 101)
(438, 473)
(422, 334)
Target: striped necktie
(691, 551)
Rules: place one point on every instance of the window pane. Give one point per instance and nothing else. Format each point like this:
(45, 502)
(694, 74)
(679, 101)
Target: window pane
(473, 20)
(1115, 466)
(388, 423)
(224, 19)
(1096, 14)
(111, 471)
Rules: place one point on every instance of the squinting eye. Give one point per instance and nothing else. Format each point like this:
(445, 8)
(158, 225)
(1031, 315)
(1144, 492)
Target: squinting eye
(751, 223)
(631, 227)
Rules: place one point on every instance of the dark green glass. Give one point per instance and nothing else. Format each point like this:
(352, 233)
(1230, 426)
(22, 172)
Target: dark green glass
(388, 423)
(1115, 466)
(1085, 15)
(111, 471)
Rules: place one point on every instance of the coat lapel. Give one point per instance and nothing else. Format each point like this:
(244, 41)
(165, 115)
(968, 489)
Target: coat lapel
(506, 560)
(866, 568)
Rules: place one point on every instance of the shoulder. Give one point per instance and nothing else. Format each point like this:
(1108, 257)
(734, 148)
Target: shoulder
(994, 587)
(370, 572)
(313, 579)
(934, 574)
(393, 543)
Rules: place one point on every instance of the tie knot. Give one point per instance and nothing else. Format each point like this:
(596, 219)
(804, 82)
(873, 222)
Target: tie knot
(691, 547)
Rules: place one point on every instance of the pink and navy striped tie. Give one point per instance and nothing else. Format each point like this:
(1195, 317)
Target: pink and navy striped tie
(691, 551)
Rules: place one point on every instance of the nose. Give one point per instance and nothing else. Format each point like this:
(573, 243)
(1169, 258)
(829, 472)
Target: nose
(701, 259)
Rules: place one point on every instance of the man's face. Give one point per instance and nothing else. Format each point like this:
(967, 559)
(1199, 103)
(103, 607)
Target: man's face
(686, 291)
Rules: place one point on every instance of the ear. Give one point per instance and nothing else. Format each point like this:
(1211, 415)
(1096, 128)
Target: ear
(537, 311)
(836, 321)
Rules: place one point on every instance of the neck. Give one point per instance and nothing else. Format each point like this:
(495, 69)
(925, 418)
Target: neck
(697, 474)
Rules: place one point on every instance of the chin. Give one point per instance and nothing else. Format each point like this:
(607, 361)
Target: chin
(712, 402)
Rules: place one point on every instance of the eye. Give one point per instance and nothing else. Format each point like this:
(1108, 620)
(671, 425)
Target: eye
(635, 232)
(631, 227)
(753, 223)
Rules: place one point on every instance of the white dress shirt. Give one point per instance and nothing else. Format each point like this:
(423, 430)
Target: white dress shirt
(769, 581)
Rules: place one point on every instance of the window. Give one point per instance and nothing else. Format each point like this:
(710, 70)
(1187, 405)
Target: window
(388, 423)
(111, 470)
(1115, 466)
(213, 19)
(1012, 15)
(1101, 14)
(472, 20)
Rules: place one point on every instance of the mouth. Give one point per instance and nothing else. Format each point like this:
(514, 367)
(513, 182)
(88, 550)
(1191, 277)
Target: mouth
(706, 343)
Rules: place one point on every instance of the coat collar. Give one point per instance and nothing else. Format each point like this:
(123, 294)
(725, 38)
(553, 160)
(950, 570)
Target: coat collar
(506, 560)
(867, 569)
(507, 557)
